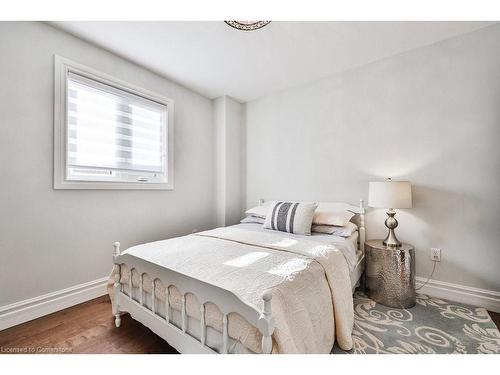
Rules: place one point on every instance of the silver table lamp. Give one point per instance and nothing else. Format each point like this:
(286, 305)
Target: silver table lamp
(390, 194)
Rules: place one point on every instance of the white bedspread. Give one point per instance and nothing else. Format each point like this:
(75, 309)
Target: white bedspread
(348, 246)
(309, 281)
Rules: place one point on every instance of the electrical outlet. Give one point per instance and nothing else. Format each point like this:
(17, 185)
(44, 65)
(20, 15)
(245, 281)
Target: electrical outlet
(435, 254)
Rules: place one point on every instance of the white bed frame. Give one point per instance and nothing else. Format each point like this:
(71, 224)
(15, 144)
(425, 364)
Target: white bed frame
(226, 301)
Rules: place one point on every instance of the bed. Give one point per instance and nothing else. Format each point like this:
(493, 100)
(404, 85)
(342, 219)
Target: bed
(243, 289)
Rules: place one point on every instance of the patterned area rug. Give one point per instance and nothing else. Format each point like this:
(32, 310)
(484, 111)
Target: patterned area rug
(432, 326)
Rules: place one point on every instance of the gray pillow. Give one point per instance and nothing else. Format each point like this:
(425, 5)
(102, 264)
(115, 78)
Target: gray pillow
(291, 217)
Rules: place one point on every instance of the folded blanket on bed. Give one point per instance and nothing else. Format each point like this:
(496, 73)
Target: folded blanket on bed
(309, 281)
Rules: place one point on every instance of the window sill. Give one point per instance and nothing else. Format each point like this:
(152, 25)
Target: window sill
(90, 185)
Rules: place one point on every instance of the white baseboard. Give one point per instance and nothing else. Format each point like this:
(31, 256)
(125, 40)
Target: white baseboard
(29, 309)
(488, 299)
(23, 311)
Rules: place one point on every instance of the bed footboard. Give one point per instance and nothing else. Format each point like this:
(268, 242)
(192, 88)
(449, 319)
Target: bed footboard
(178, 337)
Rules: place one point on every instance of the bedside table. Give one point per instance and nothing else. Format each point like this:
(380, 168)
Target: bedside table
(390, 274)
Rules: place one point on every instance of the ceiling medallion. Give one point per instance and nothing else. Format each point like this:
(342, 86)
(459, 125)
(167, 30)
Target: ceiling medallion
(247, 25)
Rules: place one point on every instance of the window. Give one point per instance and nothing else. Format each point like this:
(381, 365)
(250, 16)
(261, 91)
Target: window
(109, 134)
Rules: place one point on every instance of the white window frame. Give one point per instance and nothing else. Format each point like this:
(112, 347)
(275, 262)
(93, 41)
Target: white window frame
(62, 67)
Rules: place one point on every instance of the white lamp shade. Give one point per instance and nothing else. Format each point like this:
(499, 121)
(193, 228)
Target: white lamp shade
(390, 194)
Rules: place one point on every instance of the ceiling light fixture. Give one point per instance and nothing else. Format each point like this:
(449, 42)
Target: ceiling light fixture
(247, 25)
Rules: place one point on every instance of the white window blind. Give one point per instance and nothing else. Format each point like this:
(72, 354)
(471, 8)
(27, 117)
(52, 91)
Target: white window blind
(113, 135)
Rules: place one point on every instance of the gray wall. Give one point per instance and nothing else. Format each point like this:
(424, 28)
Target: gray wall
(233, 163)
(50, 240)
(219, 121)
(431, 116)
(228, 128)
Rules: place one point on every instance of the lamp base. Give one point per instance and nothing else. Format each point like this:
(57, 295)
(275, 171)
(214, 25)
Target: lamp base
(391, 223)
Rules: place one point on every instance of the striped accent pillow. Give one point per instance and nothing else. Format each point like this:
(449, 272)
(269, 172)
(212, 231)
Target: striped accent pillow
(291, 217)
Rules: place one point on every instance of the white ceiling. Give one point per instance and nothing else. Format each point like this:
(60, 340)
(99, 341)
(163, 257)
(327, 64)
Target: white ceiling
(215, 59)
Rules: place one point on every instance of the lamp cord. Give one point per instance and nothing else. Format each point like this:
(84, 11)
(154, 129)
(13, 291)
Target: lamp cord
(426, 281)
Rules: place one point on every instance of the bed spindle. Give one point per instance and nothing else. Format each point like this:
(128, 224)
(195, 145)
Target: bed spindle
(362, 234)
(153, 296)
(266, 324)
(203, 328)
(167, 305)
(225, 336)
(117, 288)
(184, 317)
(140, 289)
(130, 290)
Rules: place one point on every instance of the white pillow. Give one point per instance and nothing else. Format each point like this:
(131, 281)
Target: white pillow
(253, 219)
(260, 211)
(291, 217)
(327, 216)
(345, 231)
(326, 213)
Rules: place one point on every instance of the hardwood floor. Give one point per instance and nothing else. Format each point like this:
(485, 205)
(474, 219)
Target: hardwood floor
(89, 328)
(495, 317)
(85, 328)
